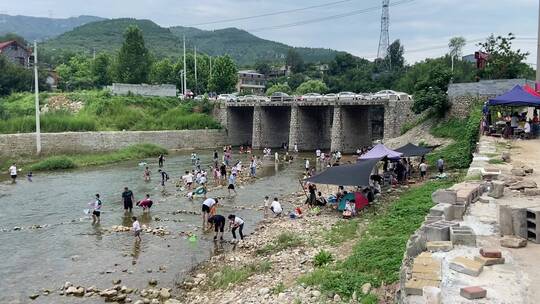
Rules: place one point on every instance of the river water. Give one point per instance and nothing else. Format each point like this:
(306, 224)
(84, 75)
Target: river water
(70, 248)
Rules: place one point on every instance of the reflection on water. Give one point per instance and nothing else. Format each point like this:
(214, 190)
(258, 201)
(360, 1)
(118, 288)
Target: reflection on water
(71, 249)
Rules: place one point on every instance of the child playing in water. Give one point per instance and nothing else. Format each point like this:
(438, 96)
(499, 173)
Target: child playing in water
(266, 204)
(136, 228)
(146, 174)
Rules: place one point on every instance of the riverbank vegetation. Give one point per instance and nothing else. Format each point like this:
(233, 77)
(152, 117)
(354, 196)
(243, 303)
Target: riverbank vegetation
(100, 111)
(465, 133)
(376, 257)
(64, 162)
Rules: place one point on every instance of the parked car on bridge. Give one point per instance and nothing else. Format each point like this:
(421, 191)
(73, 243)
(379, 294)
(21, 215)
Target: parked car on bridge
(280, 96)
(330, 97)
(385, 94)
(346, 96)
(310, 97)
(227, 97)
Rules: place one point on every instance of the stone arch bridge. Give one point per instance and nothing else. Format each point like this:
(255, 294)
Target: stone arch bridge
(343, 125)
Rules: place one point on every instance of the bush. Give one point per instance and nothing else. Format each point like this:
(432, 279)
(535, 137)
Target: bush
(322, 258)
(283, 241)
(231, 275)
(53, 163)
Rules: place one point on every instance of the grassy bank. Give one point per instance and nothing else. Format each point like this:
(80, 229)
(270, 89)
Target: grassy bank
(101, 111)
(377, 256)
(464, 132)
(64, 162)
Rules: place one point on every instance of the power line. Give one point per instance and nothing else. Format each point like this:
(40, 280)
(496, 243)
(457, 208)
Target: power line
(332, 17)
(272, 14)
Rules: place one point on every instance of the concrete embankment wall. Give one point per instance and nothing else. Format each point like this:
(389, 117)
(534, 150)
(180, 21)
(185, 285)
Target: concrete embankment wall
(95, 142)
(462, 95)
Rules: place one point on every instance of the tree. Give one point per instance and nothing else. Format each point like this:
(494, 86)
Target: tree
(312, 86)
(263, 67)
(503, 62)
(13, 36)
(224, 75)
(14, 78)
(394, 57)
(295, 61)
(456, 45)
(430, 90)
(101, 69)
(295, 80)
(279, 87)
(133, 59)
(76, 74)
(162, 72)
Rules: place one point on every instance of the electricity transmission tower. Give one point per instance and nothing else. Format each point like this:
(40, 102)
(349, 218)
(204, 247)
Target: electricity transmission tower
(384, 39)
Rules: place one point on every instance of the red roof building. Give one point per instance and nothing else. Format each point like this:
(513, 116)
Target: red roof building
(16, 52)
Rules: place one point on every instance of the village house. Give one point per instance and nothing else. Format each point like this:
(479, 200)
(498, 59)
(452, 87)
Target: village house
(16, 52)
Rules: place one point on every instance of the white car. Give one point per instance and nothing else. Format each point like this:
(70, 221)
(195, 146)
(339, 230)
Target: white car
(330, 97)
(227, 97)
(385, 94)
(346, 96)
(310, 97)
(280, 96)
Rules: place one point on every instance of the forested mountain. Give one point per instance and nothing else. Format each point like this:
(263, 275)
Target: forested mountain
(41, 28)
(245, 48)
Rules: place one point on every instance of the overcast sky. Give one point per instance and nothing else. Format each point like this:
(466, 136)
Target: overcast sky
(424, 26)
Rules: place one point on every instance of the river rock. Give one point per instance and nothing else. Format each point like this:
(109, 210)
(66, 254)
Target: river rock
(34, 296)
(518, 172)
(316, 293)
(366, 288)
(140, 302)
(513, 242)
(154, 301)
(337, 298)
(264, 291)
(71, 290)
(164, 294)
(526, 183)
(172, 301)
(79, 292)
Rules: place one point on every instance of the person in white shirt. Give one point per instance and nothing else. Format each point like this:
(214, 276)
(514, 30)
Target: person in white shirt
(13, 173)
(527, 129)
(276, 207)
(136, 228)
(318, 153)
(295, 148)
(276, 157)
(235, 223)
(207, 206)
(307, 164)
(423, 170)
(188, 180)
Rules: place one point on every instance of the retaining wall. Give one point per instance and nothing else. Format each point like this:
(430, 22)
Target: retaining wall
(462, 95)
(94, 142)
(164, 90)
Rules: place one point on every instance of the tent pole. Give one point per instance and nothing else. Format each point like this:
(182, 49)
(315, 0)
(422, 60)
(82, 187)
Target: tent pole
(302, 186)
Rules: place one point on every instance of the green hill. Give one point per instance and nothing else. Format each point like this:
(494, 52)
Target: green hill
(40, 28)
(107, 36)
(243, 47)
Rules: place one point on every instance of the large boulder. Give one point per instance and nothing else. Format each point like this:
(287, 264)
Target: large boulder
(511, 241)
(497, 189)
(526, 183)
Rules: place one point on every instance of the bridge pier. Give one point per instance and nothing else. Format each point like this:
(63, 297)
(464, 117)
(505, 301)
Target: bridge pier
(270, 126)
(310, 127)
(240, 125)
(336, 143)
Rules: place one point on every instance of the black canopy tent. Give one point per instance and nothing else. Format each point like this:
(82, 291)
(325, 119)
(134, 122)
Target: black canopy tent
(347, 175)
(410, 150)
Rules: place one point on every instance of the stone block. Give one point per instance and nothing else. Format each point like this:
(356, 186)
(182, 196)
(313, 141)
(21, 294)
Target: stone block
(432, 219)
(489, 261)
(437, 232)
(505, 220)
(524, 184)
(473, 292)
(415, 286)
(532, 217)
(518, 172)
(439, 246)
(532, 192)
(439, 209)
(458, 211)
(462, 236)
(432, 295)
(511, 241)
(490, 253)
(444, 196)
(466, 266)
(497, 189)
(519, 221)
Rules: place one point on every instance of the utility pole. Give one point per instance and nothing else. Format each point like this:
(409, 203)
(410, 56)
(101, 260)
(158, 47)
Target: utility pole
(210, 66)
(196, 86)
(36, 90)
(185, 74)
(538, 52)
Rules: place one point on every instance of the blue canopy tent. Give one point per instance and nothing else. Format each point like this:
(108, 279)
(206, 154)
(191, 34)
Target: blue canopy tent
(517, 97)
